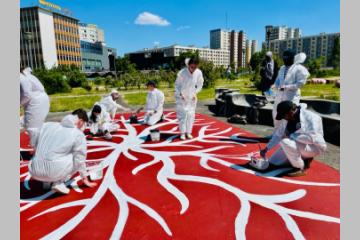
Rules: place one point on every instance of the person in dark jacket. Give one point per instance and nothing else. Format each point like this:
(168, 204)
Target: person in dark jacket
(268, 72)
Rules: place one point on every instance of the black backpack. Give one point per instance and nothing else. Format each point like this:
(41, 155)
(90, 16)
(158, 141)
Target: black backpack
(237, 119)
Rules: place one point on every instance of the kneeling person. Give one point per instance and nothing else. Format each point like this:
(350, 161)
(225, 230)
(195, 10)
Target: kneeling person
(301, 137)
(100, 122)
(60, 152)
(154, 104)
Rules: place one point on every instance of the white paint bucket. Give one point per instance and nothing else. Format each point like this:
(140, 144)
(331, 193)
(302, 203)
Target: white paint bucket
(259, 163)
(96, 172)
(155, 135)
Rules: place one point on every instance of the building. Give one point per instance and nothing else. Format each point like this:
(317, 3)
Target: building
(162, 57)
(232, 41)
(49, 36)
(91, 33)
(248, 51)
(281, 32)
(96, 57)
(253, 47)
(315, 46)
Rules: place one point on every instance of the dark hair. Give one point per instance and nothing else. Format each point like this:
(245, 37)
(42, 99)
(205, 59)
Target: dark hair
(81, 114)
(151, 83)
(289, 53)
(194, 60)
(96, 109)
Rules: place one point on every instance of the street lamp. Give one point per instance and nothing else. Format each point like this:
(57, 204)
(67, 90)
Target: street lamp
(28, 36)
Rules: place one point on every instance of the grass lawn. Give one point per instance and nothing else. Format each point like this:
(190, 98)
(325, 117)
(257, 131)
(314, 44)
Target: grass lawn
(80, 98)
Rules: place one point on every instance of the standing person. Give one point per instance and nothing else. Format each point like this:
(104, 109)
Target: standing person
(34, 100)
(100, 122)
(60, 152)
(268, 72)
(154, 104)
(301, 137)
(108, 103)
(188, 84)
(292, 76)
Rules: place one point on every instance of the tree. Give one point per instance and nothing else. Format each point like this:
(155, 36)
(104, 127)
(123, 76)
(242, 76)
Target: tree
(210, 74)
(335, 62)
(180, 60)
(314, 66)
(54, 81)
(123, 64)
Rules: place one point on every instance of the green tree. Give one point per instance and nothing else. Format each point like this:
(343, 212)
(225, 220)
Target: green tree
(314, 66)
(209, 73)
(335, 62)
(124, 65)
(54, 81)
(180, 60)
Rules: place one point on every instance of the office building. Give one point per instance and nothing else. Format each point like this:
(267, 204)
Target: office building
(315, 46)
(49, 37)
(248, 51)
(97, 57)
(91, 33)
(155, 58)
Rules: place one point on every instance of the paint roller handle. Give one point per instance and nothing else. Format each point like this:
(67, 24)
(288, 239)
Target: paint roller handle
(263, 152)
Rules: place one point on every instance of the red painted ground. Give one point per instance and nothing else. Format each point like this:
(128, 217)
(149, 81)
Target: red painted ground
(191, 191)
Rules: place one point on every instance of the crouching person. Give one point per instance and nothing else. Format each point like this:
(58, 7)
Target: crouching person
(60, 152)
(154, 104)
(100, 122)
(300, 137)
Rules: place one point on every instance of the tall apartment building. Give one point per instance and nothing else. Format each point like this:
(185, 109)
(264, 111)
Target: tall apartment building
(48, 37)
(248, 51)
(232, 41)
(91, 33)
(281, 32)
(253, 47)
(162, 57)
(315, 46)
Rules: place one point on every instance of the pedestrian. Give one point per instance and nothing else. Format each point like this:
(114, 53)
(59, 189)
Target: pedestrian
(188, 84)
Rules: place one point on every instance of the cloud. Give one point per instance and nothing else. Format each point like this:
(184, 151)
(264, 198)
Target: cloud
(146, 18)
(156, 43)
(182, 28)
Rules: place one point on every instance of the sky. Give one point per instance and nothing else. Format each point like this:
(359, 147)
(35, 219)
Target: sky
(132, 25)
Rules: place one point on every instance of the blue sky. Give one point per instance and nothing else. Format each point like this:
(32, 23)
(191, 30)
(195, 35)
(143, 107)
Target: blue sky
(131, 25)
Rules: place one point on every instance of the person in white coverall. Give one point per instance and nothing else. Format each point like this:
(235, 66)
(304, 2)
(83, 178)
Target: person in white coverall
(291, 77)
(188, 84)
(34, 100)
(154, 104)
(60, 152)
(109, 103)
(300, 135)
(100, 122)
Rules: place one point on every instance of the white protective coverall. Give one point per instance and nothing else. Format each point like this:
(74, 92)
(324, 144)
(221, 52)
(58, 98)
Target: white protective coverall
(110, 105)
(34, 100)
(60, 151)
(295, 78)
(103, 123)
(306, 142)
(154, 106)
(187, 86)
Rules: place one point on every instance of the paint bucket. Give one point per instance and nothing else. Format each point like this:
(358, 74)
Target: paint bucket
(259, 162)
(96, 172)
(155, 135)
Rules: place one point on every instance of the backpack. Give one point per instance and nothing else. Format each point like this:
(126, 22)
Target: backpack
(237, 119)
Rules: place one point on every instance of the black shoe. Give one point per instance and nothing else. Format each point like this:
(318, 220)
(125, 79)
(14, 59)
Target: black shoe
(307, 162)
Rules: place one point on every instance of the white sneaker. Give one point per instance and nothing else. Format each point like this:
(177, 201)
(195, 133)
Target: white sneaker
(60, 188)
(189, 136)
(182, 137)
(108, 136)
(46, 185)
